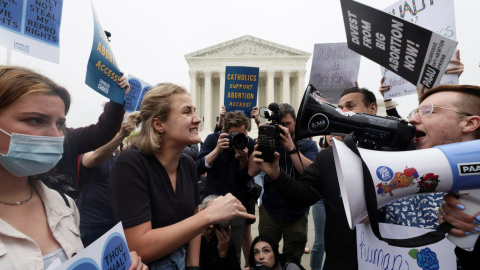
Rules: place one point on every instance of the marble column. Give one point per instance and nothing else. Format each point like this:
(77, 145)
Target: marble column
(286, 87)
(301, 85)
(222, 88)
(207, 108)
(193, 86)
(270, 86)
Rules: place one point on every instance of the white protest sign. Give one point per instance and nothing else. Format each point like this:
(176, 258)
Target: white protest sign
(109, 252)
(32, 27)
(334, 68)
(375, 254)
(438, 16)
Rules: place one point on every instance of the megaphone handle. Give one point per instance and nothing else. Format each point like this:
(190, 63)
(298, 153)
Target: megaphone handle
(471, 200)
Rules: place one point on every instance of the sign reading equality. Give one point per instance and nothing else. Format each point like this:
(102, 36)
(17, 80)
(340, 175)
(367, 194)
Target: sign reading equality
(32, 27)
(241, 87)
(415, 53)
(103, 71)
(334, 68)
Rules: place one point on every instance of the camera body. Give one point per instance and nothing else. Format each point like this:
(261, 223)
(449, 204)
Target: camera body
(237, 140)
(259, 266)
(268, 134)
(222, 225)
(254, 189)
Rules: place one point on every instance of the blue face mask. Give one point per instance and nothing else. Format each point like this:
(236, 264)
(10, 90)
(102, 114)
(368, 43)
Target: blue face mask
(30, 155)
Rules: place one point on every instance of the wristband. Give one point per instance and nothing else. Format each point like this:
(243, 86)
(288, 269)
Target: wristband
(294, 151)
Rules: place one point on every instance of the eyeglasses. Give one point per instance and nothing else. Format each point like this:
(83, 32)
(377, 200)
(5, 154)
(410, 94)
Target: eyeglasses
(427, 110)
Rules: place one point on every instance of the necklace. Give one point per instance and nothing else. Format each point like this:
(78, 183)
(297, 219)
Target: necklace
(20, 202)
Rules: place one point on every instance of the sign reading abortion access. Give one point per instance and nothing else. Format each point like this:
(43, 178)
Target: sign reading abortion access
(32, 27)
(334, 68)
(415, 53)
(438, 16)
(103, 71)
(138, 88)
(108, 252)
(241, 87)
(375, 254)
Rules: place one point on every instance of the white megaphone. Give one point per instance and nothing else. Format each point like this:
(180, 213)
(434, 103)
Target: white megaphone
(447, 168)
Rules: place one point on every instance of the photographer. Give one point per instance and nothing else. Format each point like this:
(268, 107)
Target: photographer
(227, 167)
(279, 218)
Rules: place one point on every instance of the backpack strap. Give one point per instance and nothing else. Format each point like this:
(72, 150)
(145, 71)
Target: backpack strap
(64, 198)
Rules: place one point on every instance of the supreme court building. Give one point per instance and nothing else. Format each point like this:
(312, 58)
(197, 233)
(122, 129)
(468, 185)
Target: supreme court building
(282, 76)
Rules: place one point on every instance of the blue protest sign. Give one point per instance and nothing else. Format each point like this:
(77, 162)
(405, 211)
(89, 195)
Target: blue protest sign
(103, 71)
(32, 27)
(241, 88)
(138, 88)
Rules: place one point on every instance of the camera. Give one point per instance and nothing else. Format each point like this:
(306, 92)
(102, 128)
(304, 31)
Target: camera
(222, 225)
(237, 140)
(259, 266)
(268, 134)
(254, 189)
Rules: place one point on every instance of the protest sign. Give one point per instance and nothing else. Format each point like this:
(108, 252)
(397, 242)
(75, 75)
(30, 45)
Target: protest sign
(32, 27)
(413, 52)
(103, 71)
(334, 68)
(438, 16)
(134, 98)
(109, 252)
(241, 87)
(376, 254)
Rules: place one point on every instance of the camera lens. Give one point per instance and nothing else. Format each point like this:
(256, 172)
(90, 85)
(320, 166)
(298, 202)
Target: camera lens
(238, 140)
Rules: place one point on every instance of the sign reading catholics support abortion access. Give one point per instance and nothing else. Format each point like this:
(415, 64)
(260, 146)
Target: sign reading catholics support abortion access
(241, 87)
(334, 68)
(32, 27)
(415, 53)
(103, 71)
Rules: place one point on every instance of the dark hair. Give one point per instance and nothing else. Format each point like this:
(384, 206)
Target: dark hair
(263, 238)
(368, 96)
(284, 109)
(235, 119)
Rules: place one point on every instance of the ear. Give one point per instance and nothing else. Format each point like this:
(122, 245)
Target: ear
(372, 108)
(472, 123)
(157, 125)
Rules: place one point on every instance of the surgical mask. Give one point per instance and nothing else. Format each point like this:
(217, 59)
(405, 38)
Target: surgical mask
(30, 155)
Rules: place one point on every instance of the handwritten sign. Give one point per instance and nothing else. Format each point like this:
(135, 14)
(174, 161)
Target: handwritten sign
(103, 71)
(241, 87)
(415, 53)
(109, 252)
(334, 68)
(138, 88)
(32, 27)
(375, 254)
(438, 16)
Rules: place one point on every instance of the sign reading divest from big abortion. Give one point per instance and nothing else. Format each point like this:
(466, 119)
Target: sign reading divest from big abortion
(108, 252)
(103, 71)
(415, 53)
(375, 254)
(32, 27)
(241, 87)
(438, 16)
(334, 68)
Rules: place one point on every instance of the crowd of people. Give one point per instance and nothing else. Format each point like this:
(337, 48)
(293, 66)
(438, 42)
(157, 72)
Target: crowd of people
(62, 188)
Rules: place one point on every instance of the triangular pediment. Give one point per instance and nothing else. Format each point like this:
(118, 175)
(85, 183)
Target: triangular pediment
(247, 46)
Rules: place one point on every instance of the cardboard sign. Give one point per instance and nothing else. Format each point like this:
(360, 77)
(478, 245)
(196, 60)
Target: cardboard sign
(241, 88)
(32, 27)
(334, 68)
(375, 254)
(103, 71)
(438, 16)
(415, 53)
(138, 88)
(109, 252)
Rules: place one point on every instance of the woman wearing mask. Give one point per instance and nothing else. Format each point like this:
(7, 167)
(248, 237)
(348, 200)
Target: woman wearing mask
(154, 186)
(37, 225)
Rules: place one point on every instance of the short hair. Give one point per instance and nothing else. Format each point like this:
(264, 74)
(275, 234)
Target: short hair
(368, 96)
(266, 239)
(468, 100)
(235, 119)
(206, 201)
(284, 109)
(155, 104)
(16, 82)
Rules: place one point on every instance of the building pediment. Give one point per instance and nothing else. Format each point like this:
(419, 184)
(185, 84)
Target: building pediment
(247, 46)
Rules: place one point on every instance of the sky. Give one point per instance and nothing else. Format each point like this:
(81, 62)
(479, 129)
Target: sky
(150, 38)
